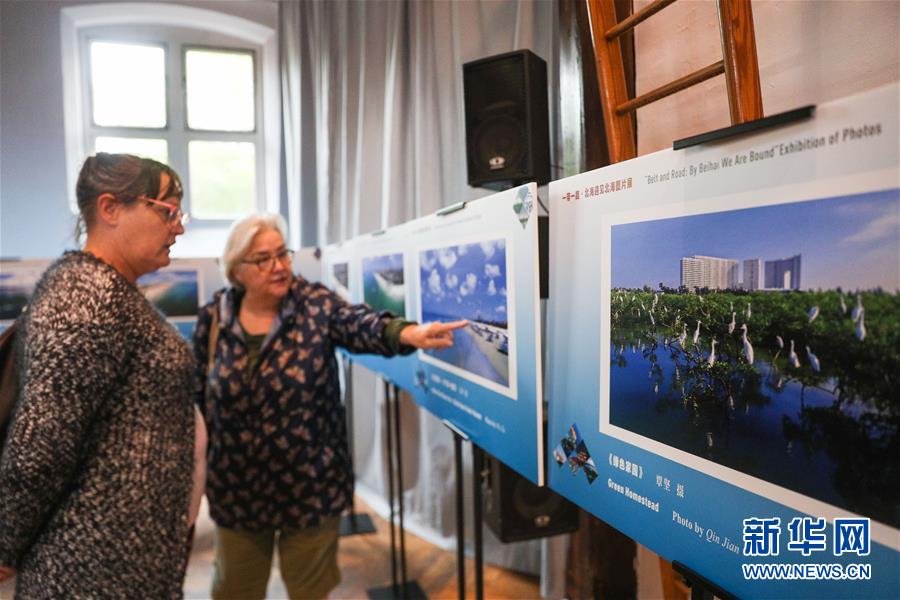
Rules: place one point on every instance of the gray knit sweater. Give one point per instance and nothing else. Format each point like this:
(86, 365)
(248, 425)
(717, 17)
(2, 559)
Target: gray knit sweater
(95, 476)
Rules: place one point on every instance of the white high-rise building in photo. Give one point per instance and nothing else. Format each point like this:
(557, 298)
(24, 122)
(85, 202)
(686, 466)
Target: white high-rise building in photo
(783, 274)
(710, 272)
(752, 274)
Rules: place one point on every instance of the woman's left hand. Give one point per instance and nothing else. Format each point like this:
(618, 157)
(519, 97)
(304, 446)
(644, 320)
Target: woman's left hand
(430, 336)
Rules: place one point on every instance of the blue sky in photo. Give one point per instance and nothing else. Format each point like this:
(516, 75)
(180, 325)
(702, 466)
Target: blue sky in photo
(847, 241)
(465, 282)
(388, 262)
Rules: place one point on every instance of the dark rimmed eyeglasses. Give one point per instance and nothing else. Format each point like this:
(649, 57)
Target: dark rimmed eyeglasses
(174, 214)
(267, 262)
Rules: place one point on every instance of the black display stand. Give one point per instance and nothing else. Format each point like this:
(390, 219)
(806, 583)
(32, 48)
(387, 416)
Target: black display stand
(355, 523)
(401, 587)
(478, 521)
(701, 587)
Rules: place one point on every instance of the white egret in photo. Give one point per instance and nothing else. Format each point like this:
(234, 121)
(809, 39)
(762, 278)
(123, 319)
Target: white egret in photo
(655, 300)
(792, 357)
(779, 341)
(861, 327)
(813, 313)
(748, 311)
(858, 309)
(697, 333)
(731, 325)
(843, 305)
(813, 359)
(712, 354)
(683, 335)
(748, 348)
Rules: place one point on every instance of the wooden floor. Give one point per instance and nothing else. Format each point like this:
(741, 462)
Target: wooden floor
(365, 562)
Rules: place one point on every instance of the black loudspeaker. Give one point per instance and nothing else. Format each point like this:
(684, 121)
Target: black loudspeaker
(507, 123)
(515, 509)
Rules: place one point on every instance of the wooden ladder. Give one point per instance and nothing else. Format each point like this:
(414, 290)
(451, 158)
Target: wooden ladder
(739, 64)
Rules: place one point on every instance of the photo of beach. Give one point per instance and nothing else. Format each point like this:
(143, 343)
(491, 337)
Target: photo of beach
(767, 340)
(383, 283)
(469, 281)
(176, 293)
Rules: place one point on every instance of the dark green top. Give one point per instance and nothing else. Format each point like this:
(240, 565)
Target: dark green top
(254, 344)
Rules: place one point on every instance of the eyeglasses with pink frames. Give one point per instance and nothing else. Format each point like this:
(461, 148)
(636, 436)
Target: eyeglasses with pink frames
(174, 214)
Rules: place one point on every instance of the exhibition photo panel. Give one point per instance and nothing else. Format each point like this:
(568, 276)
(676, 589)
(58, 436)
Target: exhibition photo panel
(478, 262)
(475, 262)
(724, 338)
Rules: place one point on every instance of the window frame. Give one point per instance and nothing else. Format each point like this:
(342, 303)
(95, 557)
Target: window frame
(164, 25)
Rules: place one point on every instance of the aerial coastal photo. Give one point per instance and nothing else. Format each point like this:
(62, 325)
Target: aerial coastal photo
(174, 292)
(383, 283)
(767, 340)
(468, 281)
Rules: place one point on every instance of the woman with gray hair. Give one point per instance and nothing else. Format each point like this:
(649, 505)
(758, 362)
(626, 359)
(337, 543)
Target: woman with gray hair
(278, 459)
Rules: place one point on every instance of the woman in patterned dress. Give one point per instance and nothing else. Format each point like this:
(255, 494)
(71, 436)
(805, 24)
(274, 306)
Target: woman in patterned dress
(278, 460)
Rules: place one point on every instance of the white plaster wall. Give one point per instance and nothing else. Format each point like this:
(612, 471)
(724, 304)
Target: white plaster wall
(810, 51)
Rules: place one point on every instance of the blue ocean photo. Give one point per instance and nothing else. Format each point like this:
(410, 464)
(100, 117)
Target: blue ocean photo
(383, 283)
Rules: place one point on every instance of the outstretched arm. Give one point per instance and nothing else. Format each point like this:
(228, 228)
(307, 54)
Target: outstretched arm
(430, 336)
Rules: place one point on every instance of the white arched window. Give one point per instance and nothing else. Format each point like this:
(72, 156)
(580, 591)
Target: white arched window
(194, 88)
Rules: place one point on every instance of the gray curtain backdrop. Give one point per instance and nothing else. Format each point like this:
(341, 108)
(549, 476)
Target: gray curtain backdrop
(375, 136)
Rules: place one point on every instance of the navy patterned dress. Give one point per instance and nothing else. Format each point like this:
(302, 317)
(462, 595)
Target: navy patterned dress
(278, 455)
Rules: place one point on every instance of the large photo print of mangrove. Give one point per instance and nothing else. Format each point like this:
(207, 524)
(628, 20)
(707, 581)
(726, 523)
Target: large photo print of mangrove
(767, 340)
(469, 281)
(383, 284)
